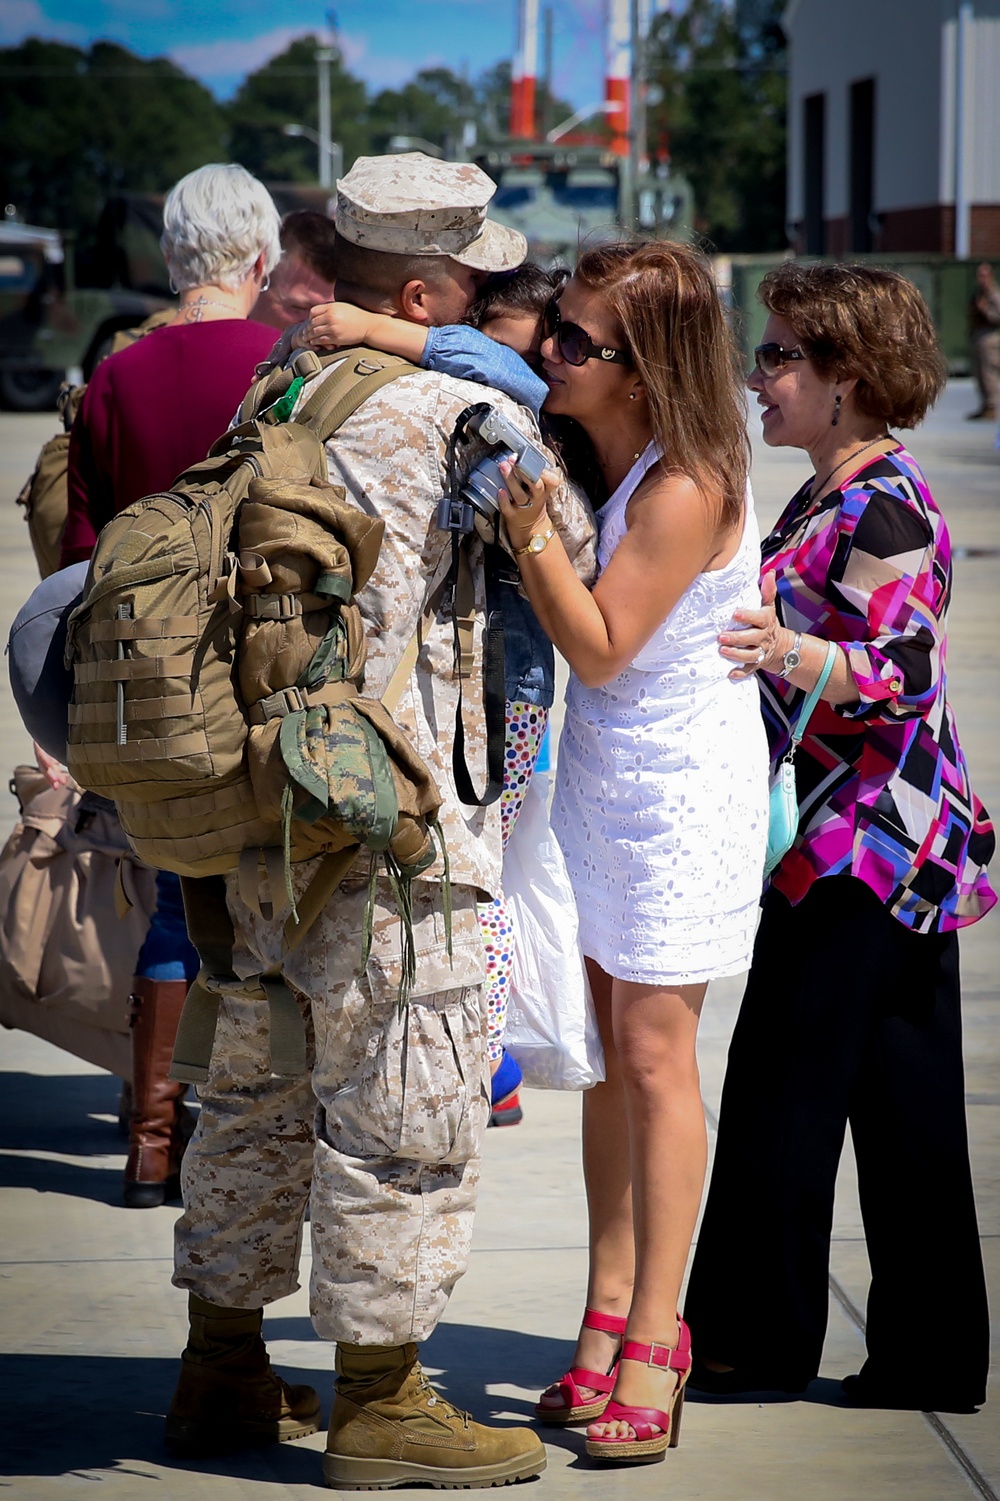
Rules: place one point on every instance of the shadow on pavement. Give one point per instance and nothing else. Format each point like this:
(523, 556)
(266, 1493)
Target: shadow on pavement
(61, 1113)
(101, 1184)
(64, 1414)
(824, 1391)
(68, 1414)
(71, 1114)
(470, 1358)
(57, 1113)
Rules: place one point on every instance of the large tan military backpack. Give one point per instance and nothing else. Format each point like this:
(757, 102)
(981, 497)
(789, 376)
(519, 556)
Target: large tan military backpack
(44, 493)
(218, 662)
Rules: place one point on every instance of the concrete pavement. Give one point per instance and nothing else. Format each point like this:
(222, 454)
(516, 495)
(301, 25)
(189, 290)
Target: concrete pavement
(90, 1327)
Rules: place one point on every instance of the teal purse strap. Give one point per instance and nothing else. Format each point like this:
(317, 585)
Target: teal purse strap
(813, 697)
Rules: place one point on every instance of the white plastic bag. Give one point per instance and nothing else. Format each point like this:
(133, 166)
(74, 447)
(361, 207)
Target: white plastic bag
(551, 1025)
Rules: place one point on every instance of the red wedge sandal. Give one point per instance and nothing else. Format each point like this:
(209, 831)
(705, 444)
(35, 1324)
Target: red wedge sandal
(576, 1408)
(655, 1431)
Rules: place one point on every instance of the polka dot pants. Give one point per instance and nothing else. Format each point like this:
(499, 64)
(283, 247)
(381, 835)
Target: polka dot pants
(526, 725)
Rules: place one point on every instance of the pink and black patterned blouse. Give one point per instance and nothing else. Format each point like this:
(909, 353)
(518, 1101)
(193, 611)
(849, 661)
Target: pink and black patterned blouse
(883, 786)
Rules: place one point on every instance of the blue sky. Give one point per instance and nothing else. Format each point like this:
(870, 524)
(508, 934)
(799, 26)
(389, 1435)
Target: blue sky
(384, 41)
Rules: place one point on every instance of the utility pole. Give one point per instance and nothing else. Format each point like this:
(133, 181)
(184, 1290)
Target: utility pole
(324, 57)
(963, 52)
(637, 111)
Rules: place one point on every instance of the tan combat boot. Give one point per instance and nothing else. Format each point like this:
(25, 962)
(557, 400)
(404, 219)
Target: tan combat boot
(390, 1427)
(228, 1397)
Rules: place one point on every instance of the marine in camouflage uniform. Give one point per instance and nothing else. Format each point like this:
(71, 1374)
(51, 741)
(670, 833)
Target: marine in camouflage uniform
(383, 1139)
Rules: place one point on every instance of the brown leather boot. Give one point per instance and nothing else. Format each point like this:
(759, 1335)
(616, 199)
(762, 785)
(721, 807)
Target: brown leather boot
(160, 1122)
(390, 1427)
(228, 1397)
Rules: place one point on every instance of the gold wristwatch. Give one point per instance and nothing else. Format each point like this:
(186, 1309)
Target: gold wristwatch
(536, 544)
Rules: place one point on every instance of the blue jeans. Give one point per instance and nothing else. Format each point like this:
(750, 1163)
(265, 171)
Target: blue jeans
(167, 953)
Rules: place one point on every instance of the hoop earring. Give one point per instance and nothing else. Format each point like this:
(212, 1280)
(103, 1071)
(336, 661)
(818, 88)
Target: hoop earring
(836, 411)
(175, 289)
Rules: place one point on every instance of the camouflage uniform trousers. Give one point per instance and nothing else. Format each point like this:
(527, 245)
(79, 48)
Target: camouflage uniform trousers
(382, 1138)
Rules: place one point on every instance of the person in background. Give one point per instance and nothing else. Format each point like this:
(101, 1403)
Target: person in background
(852, 1010)
(148, 413)
(306, 273)
(984, 339)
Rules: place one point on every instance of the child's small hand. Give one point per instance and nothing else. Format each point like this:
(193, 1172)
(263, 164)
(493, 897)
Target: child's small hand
(336, 325)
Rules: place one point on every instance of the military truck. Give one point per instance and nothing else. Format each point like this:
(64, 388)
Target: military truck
(563, 197)
(50, 328)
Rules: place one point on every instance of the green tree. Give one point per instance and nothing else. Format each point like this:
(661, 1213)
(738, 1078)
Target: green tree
(434, 105)
(80, 125)
(719, 78)
(284, 92)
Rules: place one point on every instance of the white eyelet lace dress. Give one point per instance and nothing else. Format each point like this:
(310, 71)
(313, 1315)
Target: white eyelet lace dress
(661, 797)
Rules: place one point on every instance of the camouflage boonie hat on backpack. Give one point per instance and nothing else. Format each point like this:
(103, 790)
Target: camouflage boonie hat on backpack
(415, 205)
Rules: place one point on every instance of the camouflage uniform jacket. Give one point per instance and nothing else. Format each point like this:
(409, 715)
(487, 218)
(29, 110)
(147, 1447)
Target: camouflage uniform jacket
(390, 456)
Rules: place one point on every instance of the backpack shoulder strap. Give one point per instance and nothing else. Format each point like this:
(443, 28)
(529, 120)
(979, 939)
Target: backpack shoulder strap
(360, 373)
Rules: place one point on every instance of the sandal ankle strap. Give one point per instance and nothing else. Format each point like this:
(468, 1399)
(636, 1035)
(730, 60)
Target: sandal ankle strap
(666, 1357)
(607, 1323)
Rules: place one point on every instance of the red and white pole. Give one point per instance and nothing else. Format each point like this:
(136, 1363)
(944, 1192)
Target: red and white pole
(524, 73)
(618, 70)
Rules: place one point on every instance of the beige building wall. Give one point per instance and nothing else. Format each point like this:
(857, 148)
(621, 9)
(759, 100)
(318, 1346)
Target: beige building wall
(909, 48)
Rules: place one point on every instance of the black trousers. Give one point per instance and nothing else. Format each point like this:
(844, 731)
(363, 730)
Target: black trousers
(847, 1015)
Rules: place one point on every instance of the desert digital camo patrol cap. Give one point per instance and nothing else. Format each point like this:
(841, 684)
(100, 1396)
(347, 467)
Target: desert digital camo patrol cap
(415, 205)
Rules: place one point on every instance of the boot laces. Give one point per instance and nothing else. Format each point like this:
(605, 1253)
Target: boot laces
(435, 1399)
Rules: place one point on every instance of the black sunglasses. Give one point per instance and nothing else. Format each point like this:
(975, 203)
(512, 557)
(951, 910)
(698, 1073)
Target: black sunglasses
(769, 358)
(575, 344)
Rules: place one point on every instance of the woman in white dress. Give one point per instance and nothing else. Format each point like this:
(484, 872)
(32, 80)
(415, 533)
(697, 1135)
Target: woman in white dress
(661, 800)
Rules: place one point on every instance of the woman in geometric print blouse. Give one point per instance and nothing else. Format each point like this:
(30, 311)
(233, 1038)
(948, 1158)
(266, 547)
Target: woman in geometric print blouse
(852, 1006)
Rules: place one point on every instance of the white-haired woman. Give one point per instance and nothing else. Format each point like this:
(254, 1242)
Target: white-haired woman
(154, 408)
(150, 411)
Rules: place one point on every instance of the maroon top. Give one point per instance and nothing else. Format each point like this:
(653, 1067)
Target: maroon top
(149, 413)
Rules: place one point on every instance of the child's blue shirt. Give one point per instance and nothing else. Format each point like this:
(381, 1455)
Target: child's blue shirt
(469, 355)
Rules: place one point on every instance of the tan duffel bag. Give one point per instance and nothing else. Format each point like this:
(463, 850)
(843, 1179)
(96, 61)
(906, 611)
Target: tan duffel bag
(66, 959)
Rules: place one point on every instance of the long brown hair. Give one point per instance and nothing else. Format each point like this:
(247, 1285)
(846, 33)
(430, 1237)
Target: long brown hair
(664, 297)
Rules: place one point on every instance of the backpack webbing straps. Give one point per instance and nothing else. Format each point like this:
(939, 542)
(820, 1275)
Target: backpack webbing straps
(335, 867)
(210, 929)
(360, 374)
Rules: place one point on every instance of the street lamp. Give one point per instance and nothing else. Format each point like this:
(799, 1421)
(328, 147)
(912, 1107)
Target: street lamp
(577, 118)
(331, 153)
(414, 143)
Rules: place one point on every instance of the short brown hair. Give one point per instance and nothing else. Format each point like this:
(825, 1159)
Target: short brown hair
(385, 272)
(664, 297)
(867, 323)
(312, 238)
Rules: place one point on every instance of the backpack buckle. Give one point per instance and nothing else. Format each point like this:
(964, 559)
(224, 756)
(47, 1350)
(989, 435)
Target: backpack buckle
(277, 705)
(307, 363)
